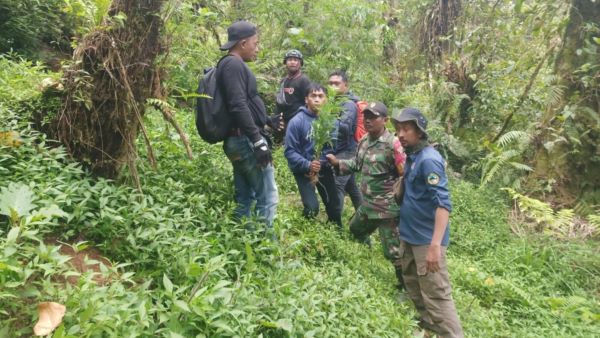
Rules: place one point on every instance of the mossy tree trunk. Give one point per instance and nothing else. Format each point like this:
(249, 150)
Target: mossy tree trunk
(107, 84)
(567, 146)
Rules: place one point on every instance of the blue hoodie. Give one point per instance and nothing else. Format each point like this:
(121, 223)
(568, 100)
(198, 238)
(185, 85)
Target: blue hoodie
(299, 148)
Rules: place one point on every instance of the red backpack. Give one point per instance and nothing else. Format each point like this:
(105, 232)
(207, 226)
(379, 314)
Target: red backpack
(360, 127)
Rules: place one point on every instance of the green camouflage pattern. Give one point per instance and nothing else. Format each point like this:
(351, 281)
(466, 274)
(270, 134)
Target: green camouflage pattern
(375, 160)
(361, 228)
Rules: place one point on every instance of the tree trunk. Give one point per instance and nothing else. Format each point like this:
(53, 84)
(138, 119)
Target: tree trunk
(107, 85)
(573, 162)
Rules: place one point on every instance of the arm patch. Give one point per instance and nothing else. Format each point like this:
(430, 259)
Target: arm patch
(433, 179)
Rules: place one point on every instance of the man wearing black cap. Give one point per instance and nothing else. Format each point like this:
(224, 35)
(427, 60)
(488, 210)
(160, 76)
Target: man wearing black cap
(380, 160)
(424, 223)
(246, 146)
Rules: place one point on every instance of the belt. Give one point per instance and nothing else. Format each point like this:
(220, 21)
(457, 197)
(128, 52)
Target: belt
(235, 132)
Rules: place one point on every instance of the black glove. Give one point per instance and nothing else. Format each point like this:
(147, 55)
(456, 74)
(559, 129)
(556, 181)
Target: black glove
(276, 122)
(262, 153)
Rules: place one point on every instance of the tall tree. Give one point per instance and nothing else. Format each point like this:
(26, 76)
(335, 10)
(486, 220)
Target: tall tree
(567, 146)
(107, 84)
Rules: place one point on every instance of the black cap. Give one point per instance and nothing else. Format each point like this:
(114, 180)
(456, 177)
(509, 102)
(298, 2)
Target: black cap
(411, 114)
(376, 108)
(237, 31)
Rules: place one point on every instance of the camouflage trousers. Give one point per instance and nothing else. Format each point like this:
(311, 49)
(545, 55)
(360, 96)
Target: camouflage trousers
(430, 291)
(362, 227)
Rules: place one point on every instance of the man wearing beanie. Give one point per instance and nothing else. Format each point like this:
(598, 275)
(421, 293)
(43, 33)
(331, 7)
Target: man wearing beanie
(424, 223)
(246, 144)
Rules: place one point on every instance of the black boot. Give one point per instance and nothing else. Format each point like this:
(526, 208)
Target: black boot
(400, 285)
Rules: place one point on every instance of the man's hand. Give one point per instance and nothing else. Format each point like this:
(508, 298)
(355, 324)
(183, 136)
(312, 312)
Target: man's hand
(281, 125)
(433, 258)
(276, 122)
(315, 166)
(333, 160)
(262, 153)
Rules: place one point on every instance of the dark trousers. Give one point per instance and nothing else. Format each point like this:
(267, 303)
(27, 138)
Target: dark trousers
(347, 184)
(328, 192)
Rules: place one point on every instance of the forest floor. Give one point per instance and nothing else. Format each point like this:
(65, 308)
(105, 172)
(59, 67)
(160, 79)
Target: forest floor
(175, 265)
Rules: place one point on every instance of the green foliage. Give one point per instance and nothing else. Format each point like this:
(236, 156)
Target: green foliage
(21, 84)
(180, 266)
(502, 162)
(323, 126)
(561, 224)
(30, 27)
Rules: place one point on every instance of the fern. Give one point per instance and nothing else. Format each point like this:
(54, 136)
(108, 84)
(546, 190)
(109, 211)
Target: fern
(562, 223)
(505, 160)
(102, 7)
(159, 104)
(594, 221)
(512, 136)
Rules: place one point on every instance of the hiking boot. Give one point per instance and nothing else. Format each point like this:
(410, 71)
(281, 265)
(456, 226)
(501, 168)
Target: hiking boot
(399, 278)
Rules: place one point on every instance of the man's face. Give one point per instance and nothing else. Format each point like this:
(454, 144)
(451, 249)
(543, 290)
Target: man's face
(337, 83)
(292, 65)
(374, 124)
(249, 48)
(314, 100)
(408, 133)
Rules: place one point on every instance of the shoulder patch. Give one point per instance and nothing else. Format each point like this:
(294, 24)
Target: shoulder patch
(433, 179)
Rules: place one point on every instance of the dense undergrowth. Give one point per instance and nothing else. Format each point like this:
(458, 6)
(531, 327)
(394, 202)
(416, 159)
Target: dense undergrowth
(181, 267)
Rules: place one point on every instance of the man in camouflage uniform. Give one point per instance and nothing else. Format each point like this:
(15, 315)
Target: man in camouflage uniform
(380, 159)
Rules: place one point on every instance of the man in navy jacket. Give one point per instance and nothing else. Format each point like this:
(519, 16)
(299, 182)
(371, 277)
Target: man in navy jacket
(424, 227)
(304, 161)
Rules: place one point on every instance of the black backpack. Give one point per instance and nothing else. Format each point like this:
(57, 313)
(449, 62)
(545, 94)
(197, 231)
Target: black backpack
(212, 119)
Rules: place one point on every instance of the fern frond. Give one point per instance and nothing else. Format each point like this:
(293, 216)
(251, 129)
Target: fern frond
(594, 221)
(513, 135)
(160, 104)
(555, 95)
(520, 166)
(563, 218)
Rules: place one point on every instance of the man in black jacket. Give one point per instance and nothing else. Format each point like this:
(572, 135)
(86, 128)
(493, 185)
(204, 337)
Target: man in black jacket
(292, 88)
(246, 146)
(290, 95)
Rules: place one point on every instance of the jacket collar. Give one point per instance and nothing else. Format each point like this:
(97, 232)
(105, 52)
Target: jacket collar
(416, 148)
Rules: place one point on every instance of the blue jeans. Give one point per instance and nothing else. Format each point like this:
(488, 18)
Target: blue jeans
(251, 182)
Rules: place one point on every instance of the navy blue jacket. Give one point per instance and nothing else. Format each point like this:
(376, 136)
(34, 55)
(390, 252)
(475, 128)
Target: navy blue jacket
(299, 148)
(345, 127)
(425, 190)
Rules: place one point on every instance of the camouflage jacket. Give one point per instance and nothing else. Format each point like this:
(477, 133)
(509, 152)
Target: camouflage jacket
(380, 163)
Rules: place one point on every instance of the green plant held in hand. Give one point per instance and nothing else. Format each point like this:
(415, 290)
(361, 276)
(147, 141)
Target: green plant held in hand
(324, 126)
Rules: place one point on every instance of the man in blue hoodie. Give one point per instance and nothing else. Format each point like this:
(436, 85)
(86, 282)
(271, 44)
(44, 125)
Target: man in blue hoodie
(304, 161)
